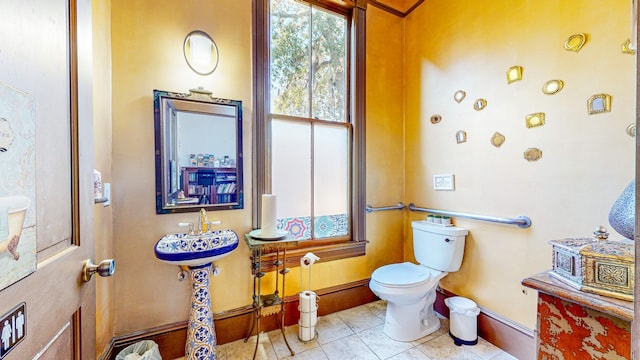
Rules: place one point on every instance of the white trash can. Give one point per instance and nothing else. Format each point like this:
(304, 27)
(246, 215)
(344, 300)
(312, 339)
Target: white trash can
(463, 320)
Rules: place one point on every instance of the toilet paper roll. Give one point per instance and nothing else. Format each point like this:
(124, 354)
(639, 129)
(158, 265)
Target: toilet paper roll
(308, 259)
(306, 333)
(307, 301)
(268, 223)
(308, 318)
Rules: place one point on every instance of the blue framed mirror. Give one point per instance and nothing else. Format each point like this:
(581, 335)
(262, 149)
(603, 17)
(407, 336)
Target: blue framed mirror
(198, 143)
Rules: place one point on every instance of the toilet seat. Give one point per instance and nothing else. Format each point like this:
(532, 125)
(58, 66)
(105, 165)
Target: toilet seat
(403, 275)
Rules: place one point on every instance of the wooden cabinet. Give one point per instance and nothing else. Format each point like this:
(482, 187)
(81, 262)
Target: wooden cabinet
(576, 325)
(210, 185)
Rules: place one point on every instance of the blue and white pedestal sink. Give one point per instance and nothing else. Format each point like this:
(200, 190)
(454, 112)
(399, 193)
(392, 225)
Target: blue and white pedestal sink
(198, 252)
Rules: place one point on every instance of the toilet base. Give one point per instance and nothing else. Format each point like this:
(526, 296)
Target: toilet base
(460, 342)
(409, 322)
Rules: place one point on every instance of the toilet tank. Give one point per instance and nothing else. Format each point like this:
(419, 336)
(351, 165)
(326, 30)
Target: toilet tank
(437, 246)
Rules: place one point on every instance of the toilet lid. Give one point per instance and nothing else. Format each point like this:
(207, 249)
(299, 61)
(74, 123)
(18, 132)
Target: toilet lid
(402, 274)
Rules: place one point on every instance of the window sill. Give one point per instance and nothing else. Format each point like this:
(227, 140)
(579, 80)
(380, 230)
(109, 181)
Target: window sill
(326, 252)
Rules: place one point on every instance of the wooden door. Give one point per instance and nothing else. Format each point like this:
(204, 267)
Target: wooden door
(45, 55)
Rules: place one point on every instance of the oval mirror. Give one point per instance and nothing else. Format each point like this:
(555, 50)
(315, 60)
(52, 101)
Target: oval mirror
(198, 142)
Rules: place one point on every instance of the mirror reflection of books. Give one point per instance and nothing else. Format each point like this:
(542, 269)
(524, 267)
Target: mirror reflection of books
(210, 161)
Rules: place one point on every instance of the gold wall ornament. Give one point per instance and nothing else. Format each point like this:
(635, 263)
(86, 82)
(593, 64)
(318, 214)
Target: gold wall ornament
(631, 130)
(514, 74)
(599, 103)
(552, 87)
(497, 139)
(479, 104)
(534, 120)
(435, 119)
(575, 42)
(533, 154)
(461, 136)
(459, 96)
(627, 48)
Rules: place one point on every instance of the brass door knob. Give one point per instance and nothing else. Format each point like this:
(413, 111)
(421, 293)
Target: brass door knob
(104, 268)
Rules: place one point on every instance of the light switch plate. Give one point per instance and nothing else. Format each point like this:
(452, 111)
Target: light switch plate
(107, 194)
(443, 182)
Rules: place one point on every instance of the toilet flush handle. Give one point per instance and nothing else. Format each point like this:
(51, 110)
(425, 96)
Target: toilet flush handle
(447, 240)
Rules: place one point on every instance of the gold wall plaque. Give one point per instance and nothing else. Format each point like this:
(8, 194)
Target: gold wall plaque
(627, 49)
(599, 103)
(479, 104)
(533, 154)
(435, 119)
(552, 87)
(631, 130)
(497, 139)
(535, 120)
(514, 74)
(461, 136)
(575, 42)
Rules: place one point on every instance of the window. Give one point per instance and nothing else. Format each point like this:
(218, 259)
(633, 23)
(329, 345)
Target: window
(309, 123)
(310, 134)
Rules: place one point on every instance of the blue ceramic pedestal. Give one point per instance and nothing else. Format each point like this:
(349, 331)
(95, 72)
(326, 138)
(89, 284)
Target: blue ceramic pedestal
(201, 334)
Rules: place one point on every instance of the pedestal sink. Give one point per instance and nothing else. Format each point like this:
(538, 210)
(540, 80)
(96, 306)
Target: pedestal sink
(198, 252)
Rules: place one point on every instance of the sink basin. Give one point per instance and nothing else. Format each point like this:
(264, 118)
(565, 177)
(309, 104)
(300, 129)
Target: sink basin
(196, 250)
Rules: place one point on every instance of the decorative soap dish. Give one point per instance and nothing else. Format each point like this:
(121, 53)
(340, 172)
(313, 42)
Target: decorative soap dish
(257, 233)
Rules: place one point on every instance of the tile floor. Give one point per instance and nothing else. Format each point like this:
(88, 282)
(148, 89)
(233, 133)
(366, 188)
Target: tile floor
(356, 334)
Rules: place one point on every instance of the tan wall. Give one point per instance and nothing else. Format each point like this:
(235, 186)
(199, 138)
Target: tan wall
(103, 216)
(385, 136)
(587, 160)
(147, 41)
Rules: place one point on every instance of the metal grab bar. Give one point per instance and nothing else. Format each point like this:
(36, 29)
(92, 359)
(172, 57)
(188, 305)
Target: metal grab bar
(399, 206)
(521, 221)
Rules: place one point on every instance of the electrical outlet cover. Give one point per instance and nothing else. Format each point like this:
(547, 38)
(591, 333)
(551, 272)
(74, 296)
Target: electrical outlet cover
(444, 182)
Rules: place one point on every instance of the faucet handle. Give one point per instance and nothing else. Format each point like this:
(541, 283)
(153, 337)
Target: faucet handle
(190, 225)
(207, 225)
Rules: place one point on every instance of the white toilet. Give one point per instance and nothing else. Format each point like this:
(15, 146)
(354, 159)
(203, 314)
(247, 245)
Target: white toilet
(410, 289)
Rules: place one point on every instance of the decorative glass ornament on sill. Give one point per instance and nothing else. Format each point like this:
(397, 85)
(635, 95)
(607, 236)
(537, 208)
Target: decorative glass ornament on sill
(622, 213)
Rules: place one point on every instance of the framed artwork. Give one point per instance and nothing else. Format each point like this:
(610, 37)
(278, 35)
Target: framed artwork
(17, 185)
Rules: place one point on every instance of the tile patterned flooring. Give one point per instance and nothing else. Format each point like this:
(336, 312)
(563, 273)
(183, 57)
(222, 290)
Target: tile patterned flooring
(356, 334)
